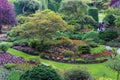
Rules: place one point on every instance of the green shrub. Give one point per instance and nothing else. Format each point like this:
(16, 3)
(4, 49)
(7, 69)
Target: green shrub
(83, 49)
(98, 49)
(76, 74)
(10, 66)
(21, 42)
(117, 21)
(24, 67)
(68, 53)
(109, 20)
(43, 56)
(93, 35)
(34, 43)
(93, 44)
(108, 35)
(4, 47)
(14, 75)
(65, 41)
(94, 13)
(40, 72)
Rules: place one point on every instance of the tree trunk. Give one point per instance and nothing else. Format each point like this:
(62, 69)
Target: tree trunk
(23, 9)
(118, 76)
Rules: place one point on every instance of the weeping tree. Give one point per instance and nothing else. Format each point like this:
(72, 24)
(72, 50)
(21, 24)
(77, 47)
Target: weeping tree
(7, 14)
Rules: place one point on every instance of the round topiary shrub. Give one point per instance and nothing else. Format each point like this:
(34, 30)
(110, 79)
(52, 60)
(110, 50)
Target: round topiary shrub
(76, 74)
(40, 72)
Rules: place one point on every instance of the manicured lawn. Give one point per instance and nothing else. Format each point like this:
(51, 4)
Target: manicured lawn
(18, 53)
(96, 70)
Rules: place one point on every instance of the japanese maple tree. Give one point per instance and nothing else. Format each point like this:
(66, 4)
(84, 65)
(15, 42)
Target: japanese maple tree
(7, 14)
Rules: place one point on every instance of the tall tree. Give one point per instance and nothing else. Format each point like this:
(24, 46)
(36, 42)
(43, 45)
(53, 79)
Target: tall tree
(43, 25)
(7, 14)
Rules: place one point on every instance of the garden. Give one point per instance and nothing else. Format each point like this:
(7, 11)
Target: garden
(59, 40)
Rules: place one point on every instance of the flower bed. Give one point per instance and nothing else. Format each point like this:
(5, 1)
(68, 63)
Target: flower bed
(26, 49)
(6, 58)
(97, 55)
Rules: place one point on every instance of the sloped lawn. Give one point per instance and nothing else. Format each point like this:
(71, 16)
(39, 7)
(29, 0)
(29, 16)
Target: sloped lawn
(96, 70)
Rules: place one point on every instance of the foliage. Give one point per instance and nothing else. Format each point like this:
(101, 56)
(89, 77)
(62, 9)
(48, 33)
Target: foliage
(115, 65)
(73, 12)
(93, 35)
(76, 74)
(10, 66)
(4, 47)
(26, 6)
(99, 49)
(40, 72)
(7, 14)
(24, 67)
(102, 78)
(54, 4)
(68, 53)
(108, 35)
(94, 13)
(14, 75)
(109, 20)
(83, 49)
(43, 25)
(117, 21)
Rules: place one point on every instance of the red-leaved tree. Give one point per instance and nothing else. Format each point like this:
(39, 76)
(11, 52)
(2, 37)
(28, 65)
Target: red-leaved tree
(7, 14)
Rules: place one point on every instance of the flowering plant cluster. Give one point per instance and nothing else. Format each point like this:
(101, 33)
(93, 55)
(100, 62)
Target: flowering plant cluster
(21, 47)
(97, 55)
(51, 55)
(26, 49)
(6, 58)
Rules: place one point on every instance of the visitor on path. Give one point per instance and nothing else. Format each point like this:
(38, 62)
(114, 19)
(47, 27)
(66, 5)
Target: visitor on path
(99, 26)
(102, 26)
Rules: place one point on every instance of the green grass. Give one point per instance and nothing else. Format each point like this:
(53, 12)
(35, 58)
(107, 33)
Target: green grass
(101, 16)
(18, 53)
(96, 70)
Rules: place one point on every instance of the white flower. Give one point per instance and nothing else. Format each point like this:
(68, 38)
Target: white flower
(118, 51)
(108, 48)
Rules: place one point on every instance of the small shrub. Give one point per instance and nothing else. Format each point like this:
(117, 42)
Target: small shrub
(4, 47)
(108, 35)
(43, 56)
(10, 66)
(68, 53)
(40, 72)
(109, 20)
(93, 45)
(83, 49)
(93, 35)
(76, 74)
(33, 44)
(65, 41)
(14, 75)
